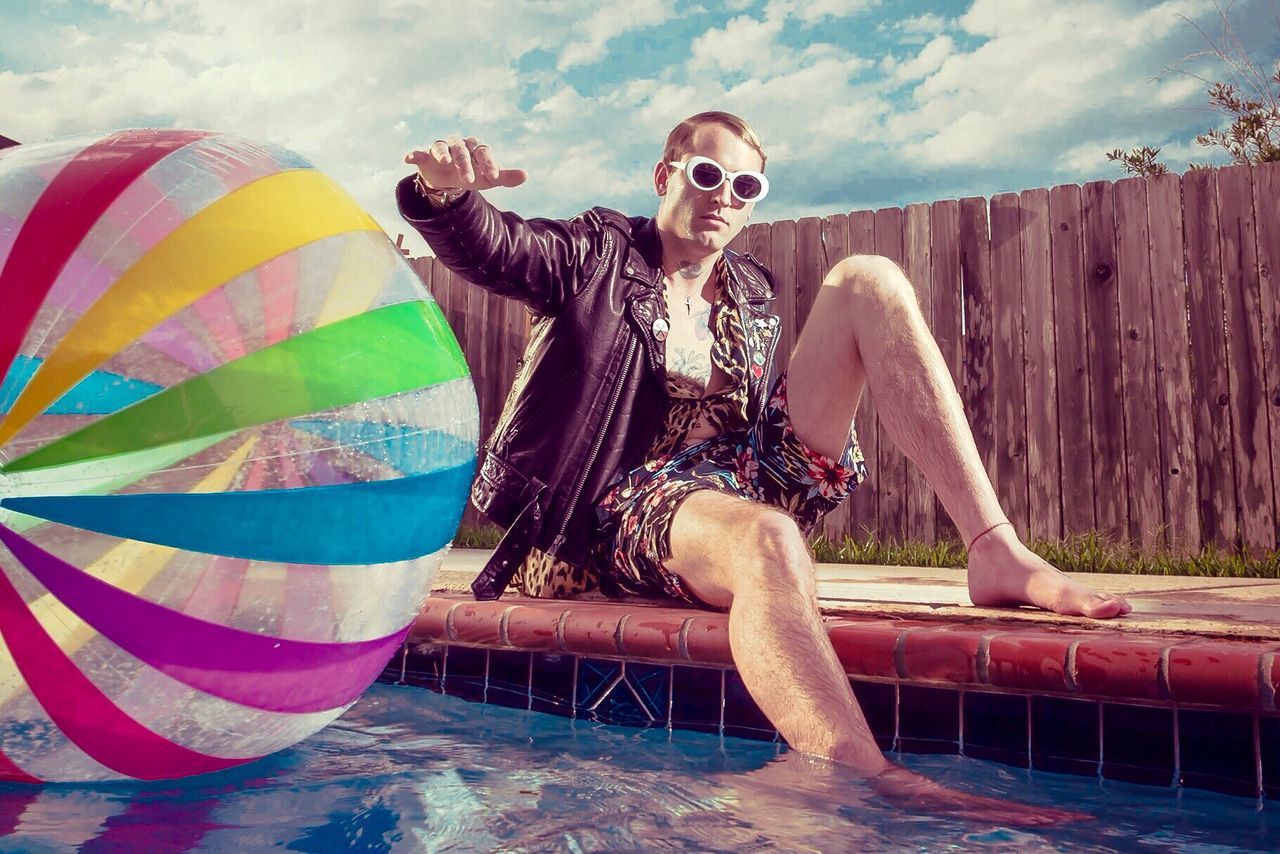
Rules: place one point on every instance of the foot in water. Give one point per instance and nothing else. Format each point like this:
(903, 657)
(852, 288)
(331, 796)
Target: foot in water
(798, 781)
(1005, 573)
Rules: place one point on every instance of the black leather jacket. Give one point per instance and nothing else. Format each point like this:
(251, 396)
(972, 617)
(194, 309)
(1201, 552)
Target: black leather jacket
(590, 392)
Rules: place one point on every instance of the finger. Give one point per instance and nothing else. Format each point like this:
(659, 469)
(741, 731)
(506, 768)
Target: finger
(481, 158)
(420, 156)
(485, 165)
(440, 150)
(462, 162)
(511, 177)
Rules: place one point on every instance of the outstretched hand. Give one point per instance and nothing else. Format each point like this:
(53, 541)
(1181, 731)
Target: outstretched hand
(463, 164)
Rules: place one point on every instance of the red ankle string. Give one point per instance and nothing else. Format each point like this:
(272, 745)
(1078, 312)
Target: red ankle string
(984, 533)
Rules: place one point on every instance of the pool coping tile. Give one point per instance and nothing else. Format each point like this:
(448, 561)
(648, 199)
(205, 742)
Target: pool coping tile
(1030, 660)
(1113, 665)
(652, 634)
(476, 623)
(1217, 673)
(867, 648)
(944, 654)
(533, 627)
(590, 630)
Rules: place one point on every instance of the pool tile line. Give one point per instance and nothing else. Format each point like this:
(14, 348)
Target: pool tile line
(1117, 705)
(1205, 673)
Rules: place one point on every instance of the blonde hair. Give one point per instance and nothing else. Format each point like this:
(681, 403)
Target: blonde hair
(681, 137)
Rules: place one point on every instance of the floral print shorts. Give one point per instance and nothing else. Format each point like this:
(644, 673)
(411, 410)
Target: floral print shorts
(766, 462)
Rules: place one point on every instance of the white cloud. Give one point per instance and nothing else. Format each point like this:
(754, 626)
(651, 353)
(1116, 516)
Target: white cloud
(608, 21)
(919, 28)
(353, 84)
(743, 44)
(1042, 66)
(814, 11)
(924, 63)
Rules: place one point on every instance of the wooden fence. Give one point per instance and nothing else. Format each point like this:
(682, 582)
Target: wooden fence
(1117, 347)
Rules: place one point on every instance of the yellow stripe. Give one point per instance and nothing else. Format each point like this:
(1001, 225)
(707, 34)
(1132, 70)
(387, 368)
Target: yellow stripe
(233, 235)
(362, 273)
(130, 566)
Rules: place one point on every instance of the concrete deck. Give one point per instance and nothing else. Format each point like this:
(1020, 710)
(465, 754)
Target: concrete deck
(1235, 608)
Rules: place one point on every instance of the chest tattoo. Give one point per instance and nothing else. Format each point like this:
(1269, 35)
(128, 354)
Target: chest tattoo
(689, 353)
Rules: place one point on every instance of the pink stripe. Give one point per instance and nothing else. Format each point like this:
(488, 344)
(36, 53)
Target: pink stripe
(278, 280)
(152, 214)
(80, 284)
(84, 714)
(66, 210)
(214, 310)
(308, 603)
(216, 593)
(173, 339)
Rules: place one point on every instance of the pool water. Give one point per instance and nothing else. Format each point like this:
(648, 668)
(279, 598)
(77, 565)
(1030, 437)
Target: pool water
(411, 770)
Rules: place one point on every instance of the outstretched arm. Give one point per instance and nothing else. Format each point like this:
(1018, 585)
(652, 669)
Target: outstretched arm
(539, 261)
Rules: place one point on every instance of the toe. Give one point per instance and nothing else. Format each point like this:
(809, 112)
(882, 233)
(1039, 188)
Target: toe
(1103, 607)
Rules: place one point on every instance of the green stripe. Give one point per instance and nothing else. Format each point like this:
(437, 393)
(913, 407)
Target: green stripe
(386, 351)
(99, 477)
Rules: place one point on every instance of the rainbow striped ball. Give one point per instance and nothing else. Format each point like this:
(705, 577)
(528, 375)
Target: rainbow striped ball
(236, 436)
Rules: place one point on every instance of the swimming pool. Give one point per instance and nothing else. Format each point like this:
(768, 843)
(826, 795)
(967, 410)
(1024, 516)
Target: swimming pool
(412, 770)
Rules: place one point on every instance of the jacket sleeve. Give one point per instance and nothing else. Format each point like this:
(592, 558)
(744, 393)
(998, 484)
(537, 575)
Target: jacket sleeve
(542, 262)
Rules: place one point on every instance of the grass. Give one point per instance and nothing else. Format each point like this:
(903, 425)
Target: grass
(1088, 552)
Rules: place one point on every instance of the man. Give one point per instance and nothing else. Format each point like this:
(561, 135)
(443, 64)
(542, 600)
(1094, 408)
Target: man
(649, 439)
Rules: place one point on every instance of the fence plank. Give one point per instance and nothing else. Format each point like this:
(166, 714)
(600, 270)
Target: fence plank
(810, 268)
(782, 261)
(1173, 368)
(891, 461)
(1266, 198)
(1040, 365)
(758, 243)
(975, 276)
(922, 523)
(1146, 520)
(864, 504)
(947, 293)
(499, 377)
(1214, 455)
(835, 246)
(1070, 323)
(1106, 380)
(1009, 405)
(1247, 375)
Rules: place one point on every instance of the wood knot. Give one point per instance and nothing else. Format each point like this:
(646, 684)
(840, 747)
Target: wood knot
(1222, 399)
(1133, 334)
(1102, 272)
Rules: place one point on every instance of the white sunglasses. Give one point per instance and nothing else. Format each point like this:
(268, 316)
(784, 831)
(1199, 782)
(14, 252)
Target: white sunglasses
(706, 174)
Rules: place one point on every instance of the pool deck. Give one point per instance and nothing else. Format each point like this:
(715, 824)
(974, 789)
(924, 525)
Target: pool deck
(1182, 691)
(1190, 640)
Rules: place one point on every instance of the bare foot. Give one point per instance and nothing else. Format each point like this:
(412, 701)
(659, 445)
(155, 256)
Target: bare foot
(1003, 573)
(798, 781)
(910, 791)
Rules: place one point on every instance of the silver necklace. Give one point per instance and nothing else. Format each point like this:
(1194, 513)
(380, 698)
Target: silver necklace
(689, 270)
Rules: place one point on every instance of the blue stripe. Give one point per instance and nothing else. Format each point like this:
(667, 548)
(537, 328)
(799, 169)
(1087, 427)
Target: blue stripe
(351, 523)
(409, 450)
(100, 393)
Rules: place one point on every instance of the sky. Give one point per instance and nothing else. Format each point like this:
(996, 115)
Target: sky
(861, 104)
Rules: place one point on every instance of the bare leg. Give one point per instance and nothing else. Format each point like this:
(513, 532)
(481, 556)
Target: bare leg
(866, 313)
(754, 561)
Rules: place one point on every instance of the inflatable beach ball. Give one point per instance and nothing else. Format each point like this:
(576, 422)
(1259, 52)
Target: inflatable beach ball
(236, 437)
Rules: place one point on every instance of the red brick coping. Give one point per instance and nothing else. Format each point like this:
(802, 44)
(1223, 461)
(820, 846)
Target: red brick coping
(1089, 663)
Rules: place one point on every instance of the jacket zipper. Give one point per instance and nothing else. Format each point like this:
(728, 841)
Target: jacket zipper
(595, 449)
